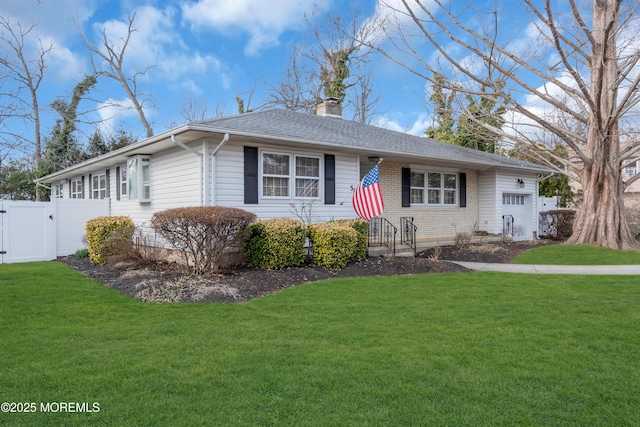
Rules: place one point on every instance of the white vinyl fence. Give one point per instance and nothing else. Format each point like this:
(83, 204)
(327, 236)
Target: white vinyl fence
(41, 231)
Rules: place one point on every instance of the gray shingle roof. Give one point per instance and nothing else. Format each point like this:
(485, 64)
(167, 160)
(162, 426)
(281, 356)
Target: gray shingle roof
(310, 128)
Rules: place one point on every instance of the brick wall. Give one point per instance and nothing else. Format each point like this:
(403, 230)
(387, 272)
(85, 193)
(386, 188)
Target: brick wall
(432, 222)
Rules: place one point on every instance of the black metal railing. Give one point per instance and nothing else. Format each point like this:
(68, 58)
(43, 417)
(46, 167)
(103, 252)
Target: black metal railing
(382, 233)
(408, 233)
(507, 225)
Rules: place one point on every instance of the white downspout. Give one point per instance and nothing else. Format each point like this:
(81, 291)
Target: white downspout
(222, 143)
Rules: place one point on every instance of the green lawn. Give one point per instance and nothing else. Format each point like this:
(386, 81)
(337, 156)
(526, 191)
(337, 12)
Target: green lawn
(453, 349)
(577, 255)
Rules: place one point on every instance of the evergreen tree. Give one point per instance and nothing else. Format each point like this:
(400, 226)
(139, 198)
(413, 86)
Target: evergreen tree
(467, 128)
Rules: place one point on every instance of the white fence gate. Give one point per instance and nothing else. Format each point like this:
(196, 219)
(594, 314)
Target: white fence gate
(41, 231)
(27, 231)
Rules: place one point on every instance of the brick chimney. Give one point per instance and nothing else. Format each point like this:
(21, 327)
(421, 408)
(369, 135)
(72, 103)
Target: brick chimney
(329, 108)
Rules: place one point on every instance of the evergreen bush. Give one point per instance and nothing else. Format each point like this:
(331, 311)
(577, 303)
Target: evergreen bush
(108, 235)
(276, 243)
(334, 244)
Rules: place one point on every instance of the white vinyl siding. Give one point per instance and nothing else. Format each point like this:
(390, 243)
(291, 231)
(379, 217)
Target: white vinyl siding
(229, 185)
(487, 202)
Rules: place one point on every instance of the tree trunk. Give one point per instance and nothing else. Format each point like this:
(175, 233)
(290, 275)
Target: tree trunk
(601, 217)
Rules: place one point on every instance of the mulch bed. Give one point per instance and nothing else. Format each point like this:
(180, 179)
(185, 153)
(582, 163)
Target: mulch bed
(168, 283)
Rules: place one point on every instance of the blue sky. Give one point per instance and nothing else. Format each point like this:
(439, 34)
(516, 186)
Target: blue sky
(208, 50)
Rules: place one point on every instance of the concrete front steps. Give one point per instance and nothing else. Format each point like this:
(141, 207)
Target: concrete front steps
(424, 244)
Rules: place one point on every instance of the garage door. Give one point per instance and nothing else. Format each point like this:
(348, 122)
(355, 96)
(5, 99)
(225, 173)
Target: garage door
(514, 216)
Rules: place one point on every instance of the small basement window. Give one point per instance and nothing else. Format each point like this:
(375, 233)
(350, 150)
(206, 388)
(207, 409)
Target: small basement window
(139, 178)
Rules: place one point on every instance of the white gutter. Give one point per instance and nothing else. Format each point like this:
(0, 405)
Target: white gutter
(214, 162)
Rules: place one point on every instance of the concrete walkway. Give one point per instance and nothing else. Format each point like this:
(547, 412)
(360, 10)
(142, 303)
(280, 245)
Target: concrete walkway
(553, 269)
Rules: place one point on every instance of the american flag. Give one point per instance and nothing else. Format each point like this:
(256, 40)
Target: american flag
(367, 200)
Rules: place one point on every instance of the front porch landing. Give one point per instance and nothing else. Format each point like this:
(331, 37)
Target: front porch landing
(432, 242)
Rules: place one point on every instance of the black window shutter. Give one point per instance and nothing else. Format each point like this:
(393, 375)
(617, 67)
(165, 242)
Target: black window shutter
(250, 175)
(406, 187)
(118, 183)
(107, 179)
(82, 189)
(463, 190)
(329, 179)
(90, 188)
(69, 183)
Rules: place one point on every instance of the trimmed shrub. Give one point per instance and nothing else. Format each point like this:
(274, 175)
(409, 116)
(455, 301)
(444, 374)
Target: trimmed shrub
(334, 244)
(362, 228)
(276, 243)
(202, 234)
(107, 236)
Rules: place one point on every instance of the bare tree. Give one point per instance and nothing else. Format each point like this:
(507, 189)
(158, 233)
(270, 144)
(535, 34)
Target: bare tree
(341, 49)
(195, 110)
(583, 63)
(113, 55)
(333, 62)
(27, 72)
(298, 89)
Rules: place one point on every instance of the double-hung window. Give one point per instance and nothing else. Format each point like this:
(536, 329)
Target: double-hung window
(307, 177)
(417, 188)
(123, 181)
(434, 188)
(57, 190)
(275, 175)
(631, 168)
(76, 188)
(139, 178)
(290, 176)
(99, 186)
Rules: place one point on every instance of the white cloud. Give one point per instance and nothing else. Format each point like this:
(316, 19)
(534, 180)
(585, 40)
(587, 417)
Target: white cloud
(156, 43)
(112, 112)
(51, 18)
(263, 21)
(417, 127)
(66, 64)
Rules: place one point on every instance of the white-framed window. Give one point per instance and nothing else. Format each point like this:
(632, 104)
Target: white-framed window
(417, 188)
(631, 169)
(76, 188)
(512, 199)
(123, 181)
(307, 176)
(57, 190)
(139, 178)
(288, 175)
(276, 172)
(99, 185)
(440, 188)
